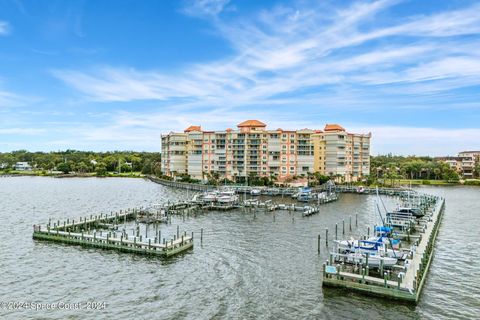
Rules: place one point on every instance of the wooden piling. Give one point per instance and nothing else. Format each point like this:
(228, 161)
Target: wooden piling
(318, 244)
(326, 237)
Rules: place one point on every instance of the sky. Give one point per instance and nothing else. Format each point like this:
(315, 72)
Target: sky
(114, 75)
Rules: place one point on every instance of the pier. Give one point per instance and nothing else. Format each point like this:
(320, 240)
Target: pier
(181, 185)
(403, 281)
(101, 231)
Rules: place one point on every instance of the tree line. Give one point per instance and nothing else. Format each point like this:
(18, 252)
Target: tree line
(412, 167)
(84, 161)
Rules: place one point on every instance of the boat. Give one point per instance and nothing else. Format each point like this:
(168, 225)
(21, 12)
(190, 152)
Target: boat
(372, 246)
(322, 196)
(209, 197)
(305, 194)
(373, 259)
(377, 244)
(255, 192)
(272, 191)
(304, 197)
(227, 196)
(408, 211)
(361, 189)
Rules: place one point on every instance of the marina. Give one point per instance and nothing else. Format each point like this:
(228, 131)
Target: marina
(263, 257)
(398, 275)
(393, 263)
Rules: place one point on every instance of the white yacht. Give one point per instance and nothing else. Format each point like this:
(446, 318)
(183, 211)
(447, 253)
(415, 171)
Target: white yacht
(227, 196)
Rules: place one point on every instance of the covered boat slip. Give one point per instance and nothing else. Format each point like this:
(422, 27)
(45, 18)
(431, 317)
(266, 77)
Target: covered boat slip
(403, 280)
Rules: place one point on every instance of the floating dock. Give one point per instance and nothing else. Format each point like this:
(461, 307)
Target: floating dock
(404, 284)
(94, 232)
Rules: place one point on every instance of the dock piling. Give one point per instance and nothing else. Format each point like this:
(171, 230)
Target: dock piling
(318, 244)
(326, 237)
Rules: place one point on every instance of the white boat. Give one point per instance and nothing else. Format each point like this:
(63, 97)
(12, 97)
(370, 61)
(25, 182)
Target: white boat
(227, 196)
(361, 189)
(322, 196)
(210, 197)
(255, 192)
(373, 260)
(372, 246)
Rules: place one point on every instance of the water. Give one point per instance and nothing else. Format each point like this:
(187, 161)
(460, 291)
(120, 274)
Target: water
(246, 268)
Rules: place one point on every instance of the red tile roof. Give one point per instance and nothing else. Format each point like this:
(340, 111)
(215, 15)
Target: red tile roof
(193, 128)
(333, 127)
(251, 123)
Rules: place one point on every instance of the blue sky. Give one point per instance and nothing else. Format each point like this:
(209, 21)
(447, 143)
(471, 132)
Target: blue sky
(114, 75)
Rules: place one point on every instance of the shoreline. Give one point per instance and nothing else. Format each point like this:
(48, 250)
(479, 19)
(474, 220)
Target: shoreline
(76, 175)
(402, 182)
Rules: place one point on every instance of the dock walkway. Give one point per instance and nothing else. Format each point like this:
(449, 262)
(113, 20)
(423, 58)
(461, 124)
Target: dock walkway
(88, 232)
(409, 284)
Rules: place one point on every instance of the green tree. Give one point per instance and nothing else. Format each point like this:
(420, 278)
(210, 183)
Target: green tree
(101, 169)
(64, 167)
(82, 167)
(320, 178)
(476, 170)
(126, 168)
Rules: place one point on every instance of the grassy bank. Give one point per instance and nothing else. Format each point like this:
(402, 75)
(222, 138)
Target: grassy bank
(44, 173)
(426, 182)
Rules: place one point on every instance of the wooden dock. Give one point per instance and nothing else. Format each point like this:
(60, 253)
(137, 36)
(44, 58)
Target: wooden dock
(409, 283)
(90, 232)
(181, 185)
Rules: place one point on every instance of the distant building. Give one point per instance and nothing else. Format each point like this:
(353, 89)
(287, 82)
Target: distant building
(22, 166)
(252, 149)
(464, 163)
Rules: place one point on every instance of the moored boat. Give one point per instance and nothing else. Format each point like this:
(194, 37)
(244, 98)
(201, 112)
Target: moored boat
(227, 196)
(255, 192)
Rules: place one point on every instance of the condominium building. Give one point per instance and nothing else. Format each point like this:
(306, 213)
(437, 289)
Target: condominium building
(464, 163)
(251, 149)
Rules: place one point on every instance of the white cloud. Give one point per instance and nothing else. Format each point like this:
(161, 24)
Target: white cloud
(4, 28)
(9, 99)
(204, 7)
(422, 141)
(141, 131)
(287, 51)
(21, 131)
(302, 58)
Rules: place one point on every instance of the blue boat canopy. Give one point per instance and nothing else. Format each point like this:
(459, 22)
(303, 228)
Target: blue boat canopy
(383, 229)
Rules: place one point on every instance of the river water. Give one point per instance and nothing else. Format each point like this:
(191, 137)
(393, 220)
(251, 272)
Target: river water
(247, 267)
